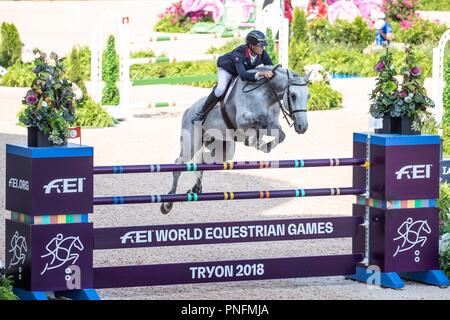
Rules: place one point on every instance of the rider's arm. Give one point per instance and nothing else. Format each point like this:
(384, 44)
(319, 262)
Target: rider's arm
(243, 73)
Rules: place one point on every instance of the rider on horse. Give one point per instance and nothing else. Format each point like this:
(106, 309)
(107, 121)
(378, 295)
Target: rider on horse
(235, 63)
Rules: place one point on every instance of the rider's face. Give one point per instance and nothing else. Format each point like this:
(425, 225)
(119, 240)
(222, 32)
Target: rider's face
(257, 49)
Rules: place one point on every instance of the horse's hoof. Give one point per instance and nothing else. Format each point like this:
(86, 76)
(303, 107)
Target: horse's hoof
(196, 189)
(166, 207)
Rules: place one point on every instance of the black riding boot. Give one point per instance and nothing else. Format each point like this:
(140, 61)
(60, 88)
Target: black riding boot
(210, 101)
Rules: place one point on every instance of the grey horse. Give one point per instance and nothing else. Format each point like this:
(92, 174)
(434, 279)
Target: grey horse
(254, 109)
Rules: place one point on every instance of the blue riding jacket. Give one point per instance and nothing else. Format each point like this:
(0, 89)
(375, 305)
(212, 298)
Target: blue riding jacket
(238, 61)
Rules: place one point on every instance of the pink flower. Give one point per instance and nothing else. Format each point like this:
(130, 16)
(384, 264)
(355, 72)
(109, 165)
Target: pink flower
(415, 71)
(379, 66)
(437, 21)
(31, 97)
(404, 94)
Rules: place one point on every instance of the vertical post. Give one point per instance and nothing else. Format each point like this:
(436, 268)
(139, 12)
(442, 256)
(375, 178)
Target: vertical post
(283, 52)
(96, 63)
(124, 68)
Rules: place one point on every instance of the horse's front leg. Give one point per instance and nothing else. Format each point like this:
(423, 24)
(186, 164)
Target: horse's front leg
(278, 137)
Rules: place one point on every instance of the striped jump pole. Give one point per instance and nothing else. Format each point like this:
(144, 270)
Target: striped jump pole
(182, 36)
(172, 59)
(237, 165)
(219, 196)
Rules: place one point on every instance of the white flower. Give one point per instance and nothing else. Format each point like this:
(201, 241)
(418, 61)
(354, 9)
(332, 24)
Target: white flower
(37, 55)
(77, 91)
(51, 62)
(44, 104)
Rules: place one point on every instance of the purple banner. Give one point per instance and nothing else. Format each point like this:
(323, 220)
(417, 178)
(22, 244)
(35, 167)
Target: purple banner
(225, 232)
(232, 270)
(43, 186)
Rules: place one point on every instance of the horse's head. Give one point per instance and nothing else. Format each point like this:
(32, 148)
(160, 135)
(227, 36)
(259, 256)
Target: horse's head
(295, 97)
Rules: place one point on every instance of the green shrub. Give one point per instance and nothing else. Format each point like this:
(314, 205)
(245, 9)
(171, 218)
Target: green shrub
(443, 204)
(299, 26)
(356, 33)
(10, 45)
(320, 30)
(422, 31)
(271, 47)
(19, 75)
(446, 139)
(74, 73)
(447, 87)
(83, 62)
(434, 5)
(323, 97)
(91, 114)
(165, 24)
(299, 52)
(111, 94)
(142, 54)
(6, 292)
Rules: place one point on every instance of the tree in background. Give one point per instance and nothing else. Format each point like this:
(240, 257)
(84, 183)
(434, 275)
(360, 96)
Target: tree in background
(10, 45)
(74, 72)
(111, 94)
(299, 23)
(271, 47)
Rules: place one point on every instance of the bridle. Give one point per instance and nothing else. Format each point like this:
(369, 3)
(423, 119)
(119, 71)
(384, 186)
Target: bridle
(289, 112)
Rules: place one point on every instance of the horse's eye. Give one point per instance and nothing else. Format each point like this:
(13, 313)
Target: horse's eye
(293, 97)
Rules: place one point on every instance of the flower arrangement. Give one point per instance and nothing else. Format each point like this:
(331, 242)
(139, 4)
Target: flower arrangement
(409, 100)
(50, 101)
(384, 95)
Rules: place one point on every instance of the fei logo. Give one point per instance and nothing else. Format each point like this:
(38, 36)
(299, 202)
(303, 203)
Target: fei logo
(418, 171)
(69, 185)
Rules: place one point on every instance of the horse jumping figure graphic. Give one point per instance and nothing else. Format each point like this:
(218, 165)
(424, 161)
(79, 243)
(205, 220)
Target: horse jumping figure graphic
(412, 234)
(18, 249)
(60, 249)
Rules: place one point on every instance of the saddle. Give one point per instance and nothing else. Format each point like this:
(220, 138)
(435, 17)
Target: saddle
(222, 99)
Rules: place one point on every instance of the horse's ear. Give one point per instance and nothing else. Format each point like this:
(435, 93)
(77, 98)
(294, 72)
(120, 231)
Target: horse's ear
(276, 67)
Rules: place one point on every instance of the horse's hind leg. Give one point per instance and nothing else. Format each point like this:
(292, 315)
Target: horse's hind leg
(197, 188)
(167, 206)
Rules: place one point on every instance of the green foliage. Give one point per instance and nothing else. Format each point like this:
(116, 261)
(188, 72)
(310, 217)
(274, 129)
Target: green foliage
(19, 75)
(355, 34)
(92, 115)
(49, 102)
(10, 45)
(142, 54)
(443, 204)
(299, 22)
(345, 60)
(323, 97)
(272, 52)
(434, 5)
(418, 31)
(227, 47)
(320, 30)
(83, 62)
(177, 69)
(446, 139)
(111, 94)
(6, 292)
(447, 88)
(74, 73)
(170, 24)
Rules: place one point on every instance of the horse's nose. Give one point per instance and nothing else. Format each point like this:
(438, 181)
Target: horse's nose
(301, 129)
